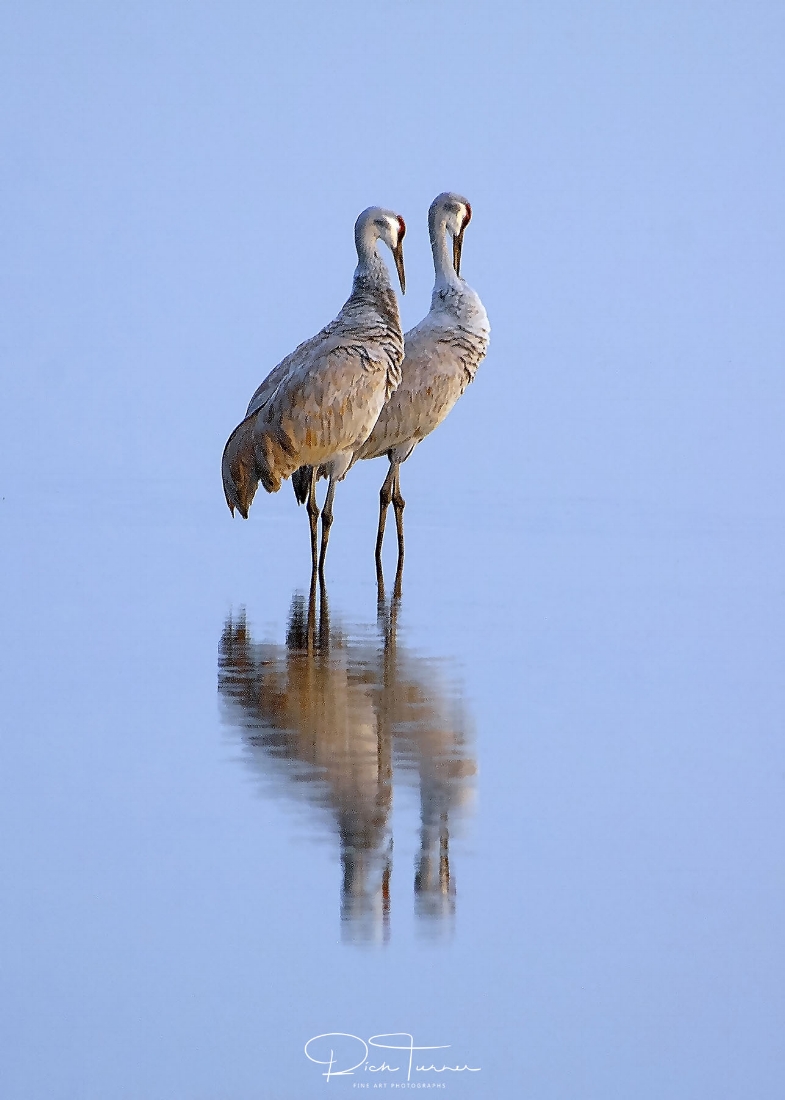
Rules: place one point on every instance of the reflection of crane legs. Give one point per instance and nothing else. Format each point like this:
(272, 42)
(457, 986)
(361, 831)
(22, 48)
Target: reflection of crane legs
(386, 890)
(434, 890)
(365, 889)
(301, 631)
(340, 711)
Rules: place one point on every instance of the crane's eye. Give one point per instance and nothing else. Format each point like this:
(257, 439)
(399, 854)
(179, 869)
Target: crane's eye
(379, 222)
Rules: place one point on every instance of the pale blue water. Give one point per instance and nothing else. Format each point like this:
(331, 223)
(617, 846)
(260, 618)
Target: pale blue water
(534, 813)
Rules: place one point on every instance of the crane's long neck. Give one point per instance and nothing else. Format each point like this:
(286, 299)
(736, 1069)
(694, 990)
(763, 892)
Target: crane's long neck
(442, 261)
(371, 285)
(370, 266)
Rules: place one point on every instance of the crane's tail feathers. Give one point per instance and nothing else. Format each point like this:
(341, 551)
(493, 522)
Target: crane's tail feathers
(239, 468)
(301, 483)
(251, 457)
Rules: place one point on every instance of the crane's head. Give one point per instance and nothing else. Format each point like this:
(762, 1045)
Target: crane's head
(452, 213)
(376, 224)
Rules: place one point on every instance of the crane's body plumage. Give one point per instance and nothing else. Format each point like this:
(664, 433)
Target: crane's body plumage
(323, 399)
(442, 354)
(318, 406)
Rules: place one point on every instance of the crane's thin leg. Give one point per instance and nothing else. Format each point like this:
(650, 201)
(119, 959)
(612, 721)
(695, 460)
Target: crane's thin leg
(381, 600)
(327, 521)
(311, 628)
(324, 617)
(385, 496)
(391, 640)
(312, 508)
(398, 584)
(398, 504)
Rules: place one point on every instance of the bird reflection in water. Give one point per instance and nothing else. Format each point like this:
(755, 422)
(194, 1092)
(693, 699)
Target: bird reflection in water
(337, 720)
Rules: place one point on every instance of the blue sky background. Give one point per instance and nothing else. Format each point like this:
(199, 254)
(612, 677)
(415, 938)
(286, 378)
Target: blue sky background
(180, 182)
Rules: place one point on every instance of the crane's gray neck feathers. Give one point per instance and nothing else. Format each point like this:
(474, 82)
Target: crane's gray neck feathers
(371, 286)
(370, 265)
(442, 261)
(371, 269)
(372, 295)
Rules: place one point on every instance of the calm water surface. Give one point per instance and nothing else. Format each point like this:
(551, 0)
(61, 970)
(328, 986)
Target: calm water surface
(533, 818)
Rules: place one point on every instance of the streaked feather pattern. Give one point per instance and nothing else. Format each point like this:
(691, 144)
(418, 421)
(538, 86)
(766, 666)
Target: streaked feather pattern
(321, 402)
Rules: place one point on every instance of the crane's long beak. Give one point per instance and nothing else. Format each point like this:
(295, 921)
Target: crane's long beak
(457, 245)
(398, 257)
(398, 254)
(457, 241)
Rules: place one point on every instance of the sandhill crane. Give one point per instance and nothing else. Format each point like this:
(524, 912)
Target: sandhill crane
(321, 402)
(442, 354)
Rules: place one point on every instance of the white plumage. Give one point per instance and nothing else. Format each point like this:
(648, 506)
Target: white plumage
(318, 406)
